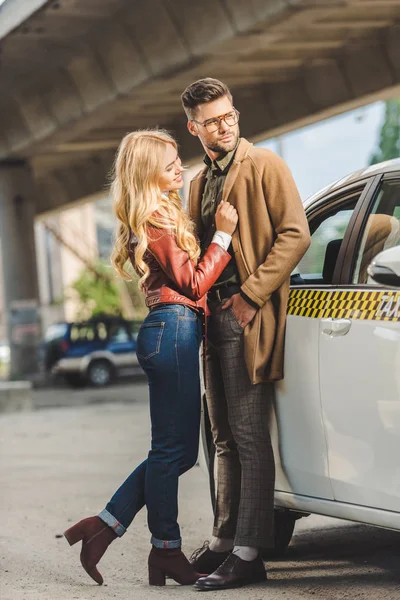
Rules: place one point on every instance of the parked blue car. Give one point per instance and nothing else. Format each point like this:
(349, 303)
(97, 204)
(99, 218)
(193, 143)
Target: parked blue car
(95, 351)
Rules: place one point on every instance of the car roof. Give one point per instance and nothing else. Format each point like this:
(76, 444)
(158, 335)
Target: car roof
(380, 168)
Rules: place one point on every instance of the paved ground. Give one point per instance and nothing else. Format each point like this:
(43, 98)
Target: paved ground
(126, 391)
(61, 464)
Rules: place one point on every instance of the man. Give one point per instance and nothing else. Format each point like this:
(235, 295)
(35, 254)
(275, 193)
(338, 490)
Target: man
(245, 337)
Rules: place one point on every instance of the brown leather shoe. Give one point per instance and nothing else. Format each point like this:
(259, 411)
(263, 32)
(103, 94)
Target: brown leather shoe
(204, 560)
(170, 562)
(234, 572)
(96, 536)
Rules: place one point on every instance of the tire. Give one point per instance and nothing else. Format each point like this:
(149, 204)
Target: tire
(284, 527)
(100, 373)
(75, 380)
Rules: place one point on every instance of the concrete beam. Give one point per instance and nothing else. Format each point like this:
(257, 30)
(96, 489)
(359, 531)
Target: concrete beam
(366, 68)
(392, 50)
(328, 88)
(244, 14)
(284, 68)
(204, 24)
(161, 44)
(35, 115)
(124, 63)
(75, 183)
(15, 12)
(156, 38)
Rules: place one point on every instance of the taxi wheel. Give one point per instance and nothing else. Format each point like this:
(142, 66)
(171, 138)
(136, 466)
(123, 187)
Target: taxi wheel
(100, 373)
(283, 529)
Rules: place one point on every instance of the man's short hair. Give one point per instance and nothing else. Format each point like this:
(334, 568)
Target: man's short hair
(201, 92)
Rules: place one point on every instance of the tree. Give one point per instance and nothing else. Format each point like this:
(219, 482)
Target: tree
(100, 294)
(137, 297)
(389, 140)
(97, 293)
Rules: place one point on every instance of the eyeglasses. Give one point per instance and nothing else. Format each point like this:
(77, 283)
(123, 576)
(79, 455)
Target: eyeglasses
(212, 125)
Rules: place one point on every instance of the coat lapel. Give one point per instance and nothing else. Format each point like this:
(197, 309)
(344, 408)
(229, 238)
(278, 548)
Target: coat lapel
(241, 153)
(197, 187)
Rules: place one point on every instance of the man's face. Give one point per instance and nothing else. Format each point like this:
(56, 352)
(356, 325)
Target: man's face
(225, 138)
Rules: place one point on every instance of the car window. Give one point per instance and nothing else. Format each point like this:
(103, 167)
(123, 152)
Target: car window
(327, 232)
(119, 334)
(83, 332)
(101, 330)
(56, 332)
(381, 230)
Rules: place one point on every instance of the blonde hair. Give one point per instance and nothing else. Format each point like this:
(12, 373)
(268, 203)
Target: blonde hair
(139, 202)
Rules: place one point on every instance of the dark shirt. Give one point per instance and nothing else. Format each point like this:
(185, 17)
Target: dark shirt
(212, 196)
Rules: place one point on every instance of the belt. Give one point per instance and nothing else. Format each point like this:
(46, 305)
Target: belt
(223, 292)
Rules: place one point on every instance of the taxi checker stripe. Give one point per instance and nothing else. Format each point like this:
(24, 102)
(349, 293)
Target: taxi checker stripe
(365, 305)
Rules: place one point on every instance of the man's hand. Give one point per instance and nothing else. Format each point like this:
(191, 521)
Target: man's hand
(244, 313)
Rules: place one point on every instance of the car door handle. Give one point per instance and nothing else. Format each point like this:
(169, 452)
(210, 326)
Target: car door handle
(336, 327)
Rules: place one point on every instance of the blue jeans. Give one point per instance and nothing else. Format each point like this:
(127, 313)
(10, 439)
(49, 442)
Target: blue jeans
(168, 351)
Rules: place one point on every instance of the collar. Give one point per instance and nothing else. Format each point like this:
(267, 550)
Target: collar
(242, 152)
(222, 162)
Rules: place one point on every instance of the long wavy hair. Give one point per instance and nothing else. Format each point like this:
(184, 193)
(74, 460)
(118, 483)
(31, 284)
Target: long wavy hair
(139, 202)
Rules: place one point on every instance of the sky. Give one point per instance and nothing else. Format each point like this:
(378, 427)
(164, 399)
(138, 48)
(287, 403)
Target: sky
(323, 152)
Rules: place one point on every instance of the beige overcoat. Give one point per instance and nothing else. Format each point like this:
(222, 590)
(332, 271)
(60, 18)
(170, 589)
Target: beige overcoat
(271, 237)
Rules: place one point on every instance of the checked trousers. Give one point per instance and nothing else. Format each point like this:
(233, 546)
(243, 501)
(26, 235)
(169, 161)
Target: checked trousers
(239, 414)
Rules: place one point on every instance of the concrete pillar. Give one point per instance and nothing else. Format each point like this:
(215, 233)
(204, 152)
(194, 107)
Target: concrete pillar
(20, 282)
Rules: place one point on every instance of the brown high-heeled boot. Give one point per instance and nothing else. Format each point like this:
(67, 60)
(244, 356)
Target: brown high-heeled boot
(173, 563)
(96, 536)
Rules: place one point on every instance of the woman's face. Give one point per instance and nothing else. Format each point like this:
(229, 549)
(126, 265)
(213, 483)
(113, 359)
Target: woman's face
(171, 177)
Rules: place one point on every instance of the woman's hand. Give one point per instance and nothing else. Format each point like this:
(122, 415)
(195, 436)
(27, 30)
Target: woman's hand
(226, 217)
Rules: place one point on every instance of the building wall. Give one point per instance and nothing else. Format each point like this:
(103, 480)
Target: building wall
(78, 228)
(58, 265)
(3, 334)
(48, 258)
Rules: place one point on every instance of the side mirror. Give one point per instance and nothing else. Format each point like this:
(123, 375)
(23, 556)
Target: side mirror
(385, 268)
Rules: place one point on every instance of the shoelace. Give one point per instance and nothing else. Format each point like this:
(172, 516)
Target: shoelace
(195, 555)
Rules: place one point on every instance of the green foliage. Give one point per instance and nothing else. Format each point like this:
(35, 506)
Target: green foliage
(389, 140)
(97, 295)
(137, 297)
(101, 295)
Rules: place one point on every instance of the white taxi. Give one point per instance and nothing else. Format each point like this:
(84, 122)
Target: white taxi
(336, 418)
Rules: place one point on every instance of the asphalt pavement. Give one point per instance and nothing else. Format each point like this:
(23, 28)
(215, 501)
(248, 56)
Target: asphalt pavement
(63, 462)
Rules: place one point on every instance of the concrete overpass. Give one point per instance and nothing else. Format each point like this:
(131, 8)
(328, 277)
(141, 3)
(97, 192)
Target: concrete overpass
(76, 76)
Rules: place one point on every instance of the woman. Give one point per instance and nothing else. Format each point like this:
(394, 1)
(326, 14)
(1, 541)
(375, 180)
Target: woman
(157, 236)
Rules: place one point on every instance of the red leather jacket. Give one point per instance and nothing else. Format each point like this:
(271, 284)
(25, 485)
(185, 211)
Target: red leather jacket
(174, 278)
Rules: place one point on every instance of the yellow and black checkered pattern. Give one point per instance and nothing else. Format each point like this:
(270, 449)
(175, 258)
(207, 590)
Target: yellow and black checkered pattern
(346, 304)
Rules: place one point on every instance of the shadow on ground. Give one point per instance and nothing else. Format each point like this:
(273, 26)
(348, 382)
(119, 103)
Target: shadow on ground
(348, 561)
